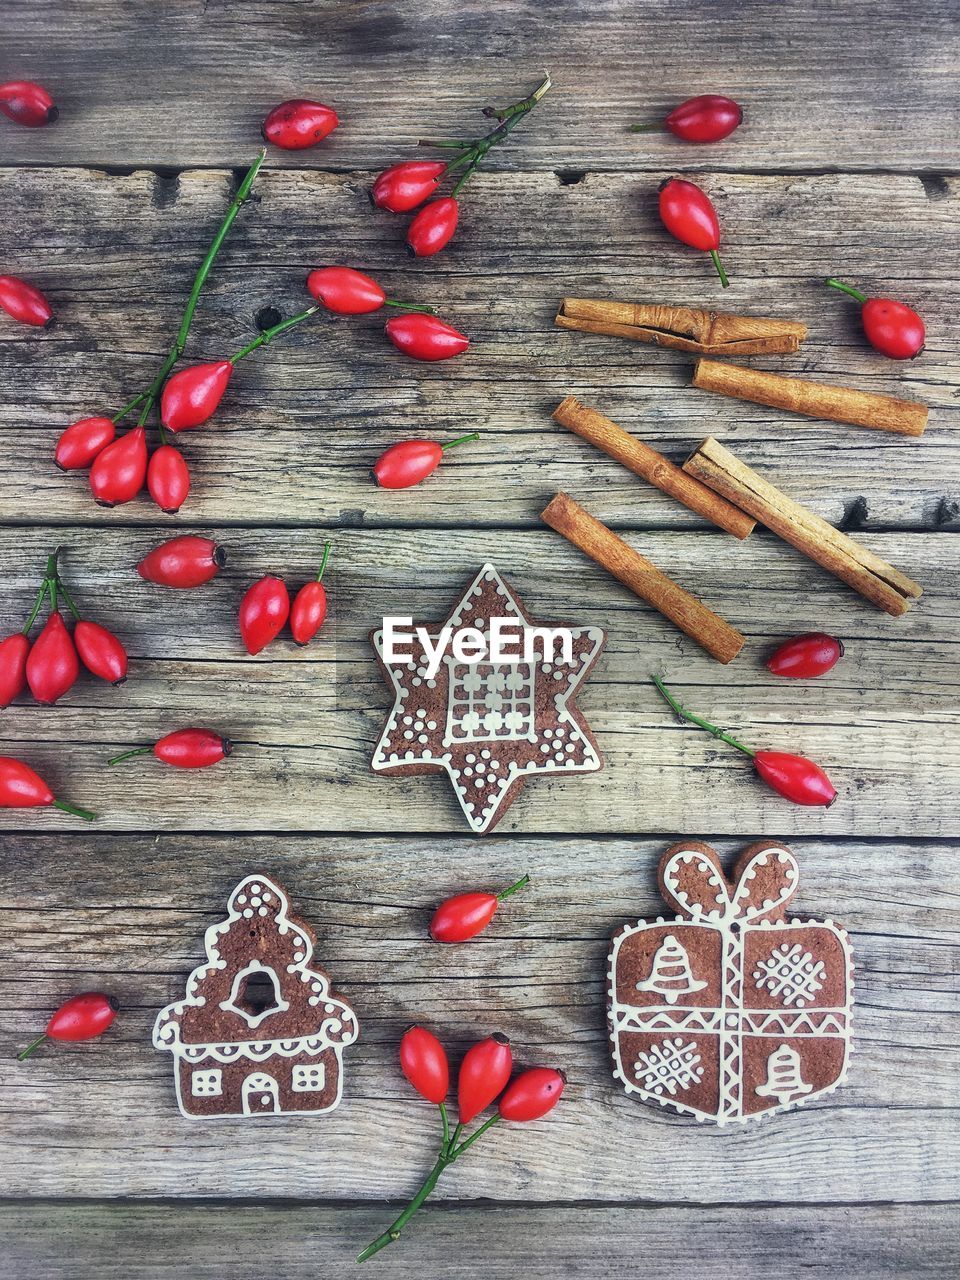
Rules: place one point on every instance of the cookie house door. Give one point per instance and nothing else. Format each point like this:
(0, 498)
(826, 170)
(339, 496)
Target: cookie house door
(260, 1094)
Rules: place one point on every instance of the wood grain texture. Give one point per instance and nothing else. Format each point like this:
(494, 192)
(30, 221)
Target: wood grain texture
(128, 914)
(883, 724)
(824, 86)
(763, 1242)
(304, 420)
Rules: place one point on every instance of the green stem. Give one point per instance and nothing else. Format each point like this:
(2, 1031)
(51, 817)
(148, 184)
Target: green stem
(176, 351)
(69, 599)
(392, 1232)
(126, 755)
(36, 607)
(449, 144)
(646, 128)
(269, 334)
(75, 810)
(452, 444)
(323, 565)
(446, 1128)
(520, 884)
(698, 720)
(145, 413)
(833, 283)
(448, 1153)
(457, 1152)
(407, 306)
(720, 271)
(34, 1044)
(508, 118)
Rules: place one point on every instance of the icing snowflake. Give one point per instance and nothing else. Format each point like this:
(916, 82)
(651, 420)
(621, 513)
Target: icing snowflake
(670, 1066)
(790, 974)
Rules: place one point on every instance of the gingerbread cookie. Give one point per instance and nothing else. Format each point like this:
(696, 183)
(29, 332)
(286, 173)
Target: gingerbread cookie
(259, 1032)
(489, 725)
(730, 1011)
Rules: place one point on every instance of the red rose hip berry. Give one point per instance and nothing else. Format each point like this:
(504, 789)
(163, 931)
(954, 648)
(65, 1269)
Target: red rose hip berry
(27, 103)
(806, 657)
(710, 117)
(82, 441)
(25, 303)
(468, 914)
(403, 186)
(183, 563)
(425, 337)
(298, 124)
(893, 328)
(191, 397)
(689, 216)
(532, 1094)
(264, 610)
(83, 1017)
(433, 227)
(423, 1060)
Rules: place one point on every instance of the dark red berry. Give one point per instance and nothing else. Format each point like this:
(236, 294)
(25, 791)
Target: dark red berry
(532, 1094)
(264, 610)
(483, 1073)
(688, 214)
(52, 664)
(805, 657)
(100, 651)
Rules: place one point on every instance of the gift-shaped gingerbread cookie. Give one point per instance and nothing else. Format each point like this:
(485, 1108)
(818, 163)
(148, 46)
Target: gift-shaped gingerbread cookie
(259, 1031)
(731, 1010)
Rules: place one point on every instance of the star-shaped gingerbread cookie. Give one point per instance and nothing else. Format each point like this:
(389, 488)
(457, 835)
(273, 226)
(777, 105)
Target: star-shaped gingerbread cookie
(489, 725)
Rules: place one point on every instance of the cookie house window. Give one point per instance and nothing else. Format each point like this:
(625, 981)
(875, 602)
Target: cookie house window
(308, 1079)
(206, 1084)
(491, 702)
(256, 994)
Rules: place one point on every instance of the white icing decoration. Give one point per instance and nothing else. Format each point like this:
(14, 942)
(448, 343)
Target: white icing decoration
(260, 1091)
(724, 1032)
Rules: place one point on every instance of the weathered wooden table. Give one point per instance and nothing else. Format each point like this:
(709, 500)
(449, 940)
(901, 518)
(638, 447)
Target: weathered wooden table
(847, 164)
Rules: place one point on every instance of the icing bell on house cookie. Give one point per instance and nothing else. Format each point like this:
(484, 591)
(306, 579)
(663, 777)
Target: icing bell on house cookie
(730, 1011)
(495, 716)
(259, 1032)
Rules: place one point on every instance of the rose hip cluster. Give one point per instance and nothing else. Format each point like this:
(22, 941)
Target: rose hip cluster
(49, 665)
(484, 1077)
(407, 185)
(265, 610)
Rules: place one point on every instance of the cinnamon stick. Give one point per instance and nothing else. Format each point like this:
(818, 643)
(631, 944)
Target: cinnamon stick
(709, 333)
(816, 399)
(877, 581)
(652, 466)
(644, 579)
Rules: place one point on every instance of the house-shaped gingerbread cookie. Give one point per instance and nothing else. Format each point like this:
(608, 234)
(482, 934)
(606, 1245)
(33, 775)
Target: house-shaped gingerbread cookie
(259, 1032)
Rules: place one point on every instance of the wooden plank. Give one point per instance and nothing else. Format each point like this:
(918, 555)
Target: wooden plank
(128, 914)
(764, 1242)
(822, 85)
(884, 724)
(303, 421)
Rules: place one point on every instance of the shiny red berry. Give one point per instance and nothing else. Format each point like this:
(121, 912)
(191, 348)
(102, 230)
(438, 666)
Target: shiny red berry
(688, 214)
(100, 651)
(264, 610)
(119, 470)
(298, 124)
(425, 337)
(168, 479)
(409, 461)
(27, 103)
(532, 1094)
(403, 186)
(795, 778)
(309, 610)
(893, 328)
(467, 914)
(433, 227)
(805, 657)
(82, 441)
(190, 398)
(13, 667)
(83, 1017)
(52, 664)
(183, 562)
(423, 1060)
(483, 1073)
(345, 291)
(25, 302)
(707, 118)
(21, 788)
(184, 749)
